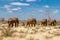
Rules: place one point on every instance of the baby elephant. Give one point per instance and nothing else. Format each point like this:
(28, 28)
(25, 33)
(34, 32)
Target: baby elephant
(12, 21)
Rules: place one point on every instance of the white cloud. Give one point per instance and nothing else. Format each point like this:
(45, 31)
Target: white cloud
(7, 7)
(31, 0)
(20, 4)
(40, 11)
(46, 6)
(55, 11)
(32, 14)
(10, 11)
(15, 9)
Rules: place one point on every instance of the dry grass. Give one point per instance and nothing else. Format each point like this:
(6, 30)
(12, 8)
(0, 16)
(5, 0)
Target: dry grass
(32, 33)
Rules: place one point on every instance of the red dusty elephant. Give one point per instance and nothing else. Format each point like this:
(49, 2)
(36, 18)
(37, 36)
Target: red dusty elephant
(12, 21)
(44, 22)
(31, 21)
(52, 22)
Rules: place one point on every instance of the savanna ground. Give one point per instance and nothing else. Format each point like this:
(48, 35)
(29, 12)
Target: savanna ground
(29, 33)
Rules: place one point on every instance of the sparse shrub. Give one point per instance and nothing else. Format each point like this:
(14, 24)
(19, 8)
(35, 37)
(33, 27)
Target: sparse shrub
(7, 31)
(59, 27)
(22, 35)
(30, 38)
(48, 36)
(36, 39)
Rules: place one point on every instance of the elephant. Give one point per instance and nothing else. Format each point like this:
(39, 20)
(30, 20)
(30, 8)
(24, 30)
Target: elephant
(52, 22)
(12, 21)
(43, 22)
(31, 21)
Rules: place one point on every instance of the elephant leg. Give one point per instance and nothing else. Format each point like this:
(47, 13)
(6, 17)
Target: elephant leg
(9, 25)
(50, 24)
(53, 24)
(46, 24)
(12, 25)
(16, 24)
(31, 25)
(27, 24)
(41, 24)
(34, 25)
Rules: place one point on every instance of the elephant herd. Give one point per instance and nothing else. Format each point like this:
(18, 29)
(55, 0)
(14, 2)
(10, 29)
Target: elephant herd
(46, 22)
(30, 22)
